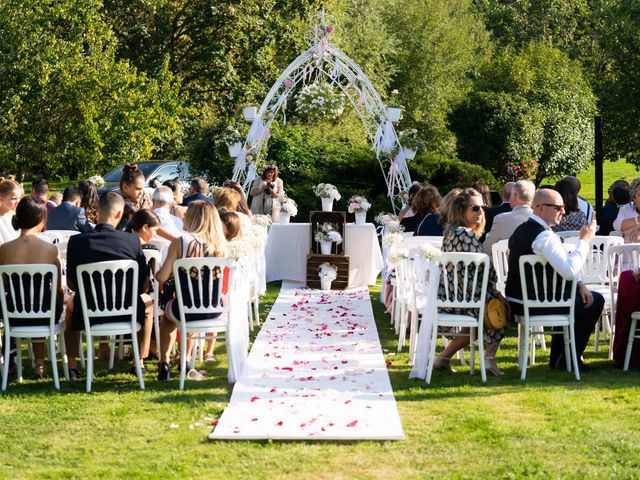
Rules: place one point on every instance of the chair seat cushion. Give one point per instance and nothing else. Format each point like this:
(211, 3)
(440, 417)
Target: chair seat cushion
(112, 328)
(35, 331)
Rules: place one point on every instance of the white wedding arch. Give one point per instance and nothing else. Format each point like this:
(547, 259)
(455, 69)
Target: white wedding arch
(323, 62)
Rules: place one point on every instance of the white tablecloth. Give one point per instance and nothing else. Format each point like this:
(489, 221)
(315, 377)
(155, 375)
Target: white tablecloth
(288, 246)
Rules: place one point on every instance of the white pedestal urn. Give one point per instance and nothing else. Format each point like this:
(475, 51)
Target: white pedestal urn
(325, 248)
(409, 153)
(284, 218)
(234, 149)
(393, 114)
(327, 204)
(361, 218)
(325, 283)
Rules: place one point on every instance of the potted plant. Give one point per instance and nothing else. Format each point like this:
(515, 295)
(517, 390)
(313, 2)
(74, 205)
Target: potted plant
(327, 193)
(411, 143)
(327, 273)
(233, 139)
(359, 205)
(326, 235)
(288, 209)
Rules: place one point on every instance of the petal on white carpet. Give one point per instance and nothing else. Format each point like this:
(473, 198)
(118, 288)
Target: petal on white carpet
(316, 371)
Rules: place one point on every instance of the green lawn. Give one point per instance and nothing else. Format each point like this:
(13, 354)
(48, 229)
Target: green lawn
(550, 427)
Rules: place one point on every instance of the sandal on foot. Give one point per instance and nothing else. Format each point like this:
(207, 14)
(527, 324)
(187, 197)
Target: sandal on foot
(443, 364)
(210, 358)
(490, 366)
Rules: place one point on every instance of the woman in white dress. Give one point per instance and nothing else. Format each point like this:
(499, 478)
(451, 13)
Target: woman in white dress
(265, 189)
(628, 220)
(10, 194)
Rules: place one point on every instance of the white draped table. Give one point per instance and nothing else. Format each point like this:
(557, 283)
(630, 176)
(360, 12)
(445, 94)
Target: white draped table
(288, 246)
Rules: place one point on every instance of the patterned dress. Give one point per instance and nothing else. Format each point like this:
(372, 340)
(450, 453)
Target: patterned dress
(571, 221)
(464, 240)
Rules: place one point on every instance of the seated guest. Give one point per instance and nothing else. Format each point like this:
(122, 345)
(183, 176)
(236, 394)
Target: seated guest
(426, 205)
(132, 185)
(243, 206)
(203, 237)
(535, 237)
(465, 223)
(618, 196)
(574, 218)
(162, 199)
(178, 197)
(69, 215)
(40, 192)
(89, 200)
(505, 223)
(103, 244)
(628, 220)
(504, 207)
(55, 199)
(30, 218)
(10, 194)
(145, 224)
(407, 211)
(229, 199)
(231, 225)
(410, 220)
(583, 205)
(198, 190)
(628, 301)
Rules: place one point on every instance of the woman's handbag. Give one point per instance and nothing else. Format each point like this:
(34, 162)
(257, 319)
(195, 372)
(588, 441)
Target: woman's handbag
(495, 315)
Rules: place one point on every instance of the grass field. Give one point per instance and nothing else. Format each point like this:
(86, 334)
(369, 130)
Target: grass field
(550, 427)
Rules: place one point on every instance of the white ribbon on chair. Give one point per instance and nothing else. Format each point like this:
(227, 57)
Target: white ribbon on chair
(238, 329)
(429, 312)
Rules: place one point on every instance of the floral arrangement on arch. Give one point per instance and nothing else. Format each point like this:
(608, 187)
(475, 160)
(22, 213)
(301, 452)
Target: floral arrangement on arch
(326, 190)
(327, 270)
(287, 205)
(319, 101)
(358, 204)
(410, 139)
(97, 180)
(326, 232)
(526, 169)
(231, 135)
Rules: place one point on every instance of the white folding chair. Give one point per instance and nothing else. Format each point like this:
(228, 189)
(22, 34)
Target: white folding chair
(460, 273)
(108, 290)
(198, 293)
(545, 289)
(28, 292)
(156, 256)
(620, 258)
(500, 258)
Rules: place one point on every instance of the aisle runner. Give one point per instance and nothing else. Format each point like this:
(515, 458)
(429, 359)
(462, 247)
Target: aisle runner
(316, 371)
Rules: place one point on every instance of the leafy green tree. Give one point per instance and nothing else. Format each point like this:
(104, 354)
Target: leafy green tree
(556, 86)
(497, 130)
(69, 107)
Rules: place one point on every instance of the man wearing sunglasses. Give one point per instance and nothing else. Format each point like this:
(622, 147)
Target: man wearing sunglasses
(536, 237)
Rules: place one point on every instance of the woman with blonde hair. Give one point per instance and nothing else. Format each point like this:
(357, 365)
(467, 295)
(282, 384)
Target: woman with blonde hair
(203, 237)
(462, 230)
(10, 195)
(243, 205)
(229, 199)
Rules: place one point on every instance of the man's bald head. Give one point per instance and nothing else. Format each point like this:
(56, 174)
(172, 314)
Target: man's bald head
(548, 205)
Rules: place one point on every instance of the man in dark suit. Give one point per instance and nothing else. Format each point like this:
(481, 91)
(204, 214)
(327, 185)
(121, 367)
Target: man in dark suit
(618, 196)
(69, 215)
(106, 243)
(198, 190)
(536, 237)
(504, 207)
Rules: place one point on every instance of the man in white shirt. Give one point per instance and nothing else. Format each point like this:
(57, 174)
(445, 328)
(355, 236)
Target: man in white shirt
(535, 236)
(505, 223)
(162, 199)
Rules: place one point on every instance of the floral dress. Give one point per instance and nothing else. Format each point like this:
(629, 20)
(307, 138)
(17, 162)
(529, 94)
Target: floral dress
(571, 221)
(464, 240)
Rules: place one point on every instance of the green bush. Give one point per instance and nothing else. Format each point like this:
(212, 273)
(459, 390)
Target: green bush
(447, 173)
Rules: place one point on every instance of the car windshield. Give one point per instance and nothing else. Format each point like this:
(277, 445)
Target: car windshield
(115, 174)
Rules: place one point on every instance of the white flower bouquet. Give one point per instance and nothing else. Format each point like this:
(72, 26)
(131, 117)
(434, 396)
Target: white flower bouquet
(410, 139)
(326, 232)
(97, 180)
(231, 135)
(288, 205)
(384, 218)
(391, 240)
(396, 255)
(327, 271)
(326, 190)
(261, 220)
(430, 252)
(318, 101)
(358, 204)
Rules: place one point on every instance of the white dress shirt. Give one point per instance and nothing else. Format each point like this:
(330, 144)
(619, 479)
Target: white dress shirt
(549, 245)
(168, 222)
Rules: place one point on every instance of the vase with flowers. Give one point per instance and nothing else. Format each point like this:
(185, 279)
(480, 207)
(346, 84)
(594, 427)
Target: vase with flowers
(359, 206)
(327, 193)
(327, 273)
(288, 209)
(326, 235)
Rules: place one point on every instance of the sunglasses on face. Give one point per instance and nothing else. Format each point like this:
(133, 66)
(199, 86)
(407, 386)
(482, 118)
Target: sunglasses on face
(556, 207)
(477, 208)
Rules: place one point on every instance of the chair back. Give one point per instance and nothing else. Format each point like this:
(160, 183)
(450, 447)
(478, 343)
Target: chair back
(620, 258)
(594, 270)
(60, 238)
(614, 233)
(108, 289)
(28, 292)
(413, 243)
(500, 257)
(543, 287)
(155, 255)
(465, 277)
(568, 234)
(199, 282)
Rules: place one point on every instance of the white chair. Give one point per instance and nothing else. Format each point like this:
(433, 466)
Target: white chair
(543, 288)
(620, 258)
(156, 256)
(412, 243)
(614, 233)
(28, 292)
(500, 258)
(107, 290)
(201, 295)
(461, 273)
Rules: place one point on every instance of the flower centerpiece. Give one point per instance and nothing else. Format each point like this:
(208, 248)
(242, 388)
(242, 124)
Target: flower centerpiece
(97, 180)
(319, 101)
(233, 139)
(261, 220)
(288, 208)
(411, 143)
(326, 235)
(359, 205)
(327, 273)
(327, 193)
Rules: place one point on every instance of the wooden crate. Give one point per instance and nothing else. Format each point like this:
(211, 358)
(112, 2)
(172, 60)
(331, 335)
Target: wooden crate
(341, 261)
(338, 219)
